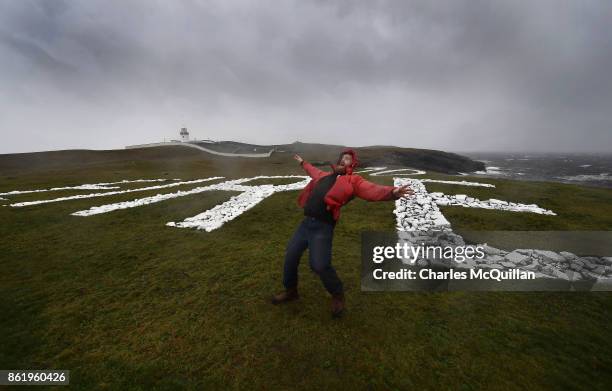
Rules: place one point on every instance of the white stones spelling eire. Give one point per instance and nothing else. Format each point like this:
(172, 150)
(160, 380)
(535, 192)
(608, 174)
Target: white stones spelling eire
(418, 218)
(418, 212)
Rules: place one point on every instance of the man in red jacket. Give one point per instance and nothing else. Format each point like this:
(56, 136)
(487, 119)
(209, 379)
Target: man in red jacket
(322, 199)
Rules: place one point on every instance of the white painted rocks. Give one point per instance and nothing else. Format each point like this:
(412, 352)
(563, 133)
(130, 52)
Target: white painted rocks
(493, 259)
(567, 255)
(399, 171)
(462, 183)
(251, 195)
(554, 264)
(87, 186)
(516, 257)
(93, 195)
(418, 218)
(533, 266)
(255, 195)
(559, 274)
(491, 250)
(468, 202)
(546, 264)
(420, 211)
(549, 256)
(214, 218)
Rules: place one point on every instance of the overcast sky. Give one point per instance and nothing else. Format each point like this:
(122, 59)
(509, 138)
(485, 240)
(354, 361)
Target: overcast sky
(456, 75)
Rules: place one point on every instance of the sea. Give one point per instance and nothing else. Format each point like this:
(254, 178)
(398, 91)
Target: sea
(586, 169)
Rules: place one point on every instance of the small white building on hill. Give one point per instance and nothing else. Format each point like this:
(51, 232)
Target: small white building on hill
(185, 141)
(184, 135)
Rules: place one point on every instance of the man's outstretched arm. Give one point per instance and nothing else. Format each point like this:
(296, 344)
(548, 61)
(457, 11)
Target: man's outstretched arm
(370, 191)
(311, 170)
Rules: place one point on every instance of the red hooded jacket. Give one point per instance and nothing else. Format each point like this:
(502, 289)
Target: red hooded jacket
(345, 188)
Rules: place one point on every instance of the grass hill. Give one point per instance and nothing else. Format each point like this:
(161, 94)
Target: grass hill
(125, 302)
(425, 159)
(322, 154)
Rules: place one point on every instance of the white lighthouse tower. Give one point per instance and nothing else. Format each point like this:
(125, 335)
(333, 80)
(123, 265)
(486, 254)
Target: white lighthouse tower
(184, 135)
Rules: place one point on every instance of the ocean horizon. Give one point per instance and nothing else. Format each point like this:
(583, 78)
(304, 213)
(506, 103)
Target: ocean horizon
(594, 169)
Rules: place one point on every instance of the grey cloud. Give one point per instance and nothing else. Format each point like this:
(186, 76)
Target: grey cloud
(456, 75)
(37, 55)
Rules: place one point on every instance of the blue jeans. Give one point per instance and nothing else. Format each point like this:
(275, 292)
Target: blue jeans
(317, 236)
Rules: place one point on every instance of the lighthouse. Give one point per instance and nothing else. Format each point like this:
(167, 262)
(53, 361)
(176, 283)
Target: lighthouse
(184, 135)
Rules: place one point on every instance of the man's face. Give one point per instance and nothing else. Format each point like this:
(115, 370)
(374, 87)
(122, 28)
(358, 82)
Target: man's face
(345, 161)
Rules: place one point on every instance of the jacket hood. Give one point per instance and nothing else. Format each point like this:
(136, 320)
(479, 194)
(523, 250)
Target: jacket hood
(349, 169)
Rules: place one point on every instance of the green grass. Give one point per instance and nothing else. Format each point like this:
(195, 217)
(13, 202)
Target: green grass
(125, 302)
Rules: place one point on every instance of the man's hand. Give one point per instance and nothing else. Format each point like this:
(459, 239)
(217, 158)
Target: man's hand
(402, 191)
(298, 158)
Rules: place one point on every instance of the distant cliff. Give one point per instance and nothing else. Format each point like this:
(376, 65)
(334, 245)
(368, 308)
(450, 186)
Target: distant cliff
(426, 159)
(175, 154)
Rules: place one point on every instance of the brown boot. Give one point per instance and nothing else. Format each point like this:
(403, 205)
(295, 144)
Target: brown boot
(289, 294)
(337, 305)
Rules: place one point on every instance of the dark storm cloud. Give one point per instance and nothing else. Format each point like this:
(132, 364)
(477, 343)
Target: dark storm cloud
(456, 75)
